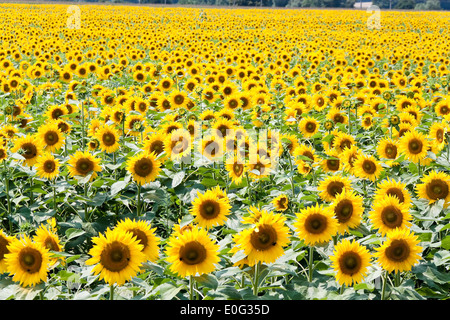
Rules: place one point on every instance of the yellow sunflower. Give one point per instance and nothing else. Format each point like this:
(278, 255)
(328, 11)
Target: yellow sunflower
(281, 203)
(400, 252)
(394, 188)
(264, 241)
(5, 240)
(351, 261)
(348, 209)
(209, 210)
(414, 145)
(145, 234)
(309, 126)
(367, 167)
(46, 235)
(83, 163)
(117, 256)
(28, 147)
(108, 138)
(389, 213)
(435, 186)
(316, 224)
(47, 166)
(333, 185)
(192, 252)
(144, 167)
(178, 144)
(27, 261)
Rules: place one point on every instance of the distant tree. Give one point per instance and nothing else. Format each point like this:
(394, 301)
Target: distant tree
(405, 4)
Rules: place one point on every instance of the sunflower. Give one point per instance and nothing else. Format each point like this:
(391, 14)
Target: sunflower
(414, 145)
(437, 132)
(259, 168)
(108, 138)
(134, 124)
(400, 252)
(393, 188)
(387, 148)
(55, 112)
(145, 235)
(29, 147)
(236, 169)
(389, 213)
(316, 224)
(281, 203)
(264, 242)
(83, 163)
(144, 167)
(332, 186)
(116, 256)
(47, 237)
(435, 186)
(47, 166)
(332, 163)
(367, 167)
(155, 143)
(209, 210)
(343, 141)
(192, 252)
(304, 156)
(351, 261)
(27, 261)
(5, 241)
(348, 156)
(212, 147)
(223, 127)
(308, 126)
(178, 144)
(178, 99)
(348, 209)
(3, 152)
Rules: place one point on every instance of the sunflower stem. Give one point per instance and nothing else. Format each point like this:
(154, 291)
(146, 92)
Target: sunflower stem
(310, 263)
(249, 190)
(256, 279)
(82, 126)
(383, 290)
(111, 292)
(138, 202)
(191, 287)
(292, 176)
(31, 191)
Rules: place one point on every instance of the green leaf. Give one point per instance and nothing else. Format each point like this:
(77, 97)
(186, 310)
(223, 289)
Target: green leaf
(178, 178)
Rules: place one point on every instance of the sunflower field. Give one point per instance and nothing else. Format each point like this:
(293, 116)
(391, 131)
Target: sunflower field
(173, 153)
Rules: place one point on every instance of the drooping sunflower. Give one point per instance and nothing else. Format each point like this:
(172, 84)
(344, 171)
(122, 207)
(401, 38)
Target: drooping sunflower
(333, 185)
(27, 261)
(192, 252)
(28, 147)
(5, 240)
(367, 167)
(83, 163)
(316, 224)
(435, 186)
(389, 213)
(144, 167)
(47, 166)
(394, 188)
(414, 145)
(209, 210)
(108, 138)
(351, 261)
(264, 242)
(400, 252)
(281, 203)
(348, 209)
(145, 234)
(117, 256)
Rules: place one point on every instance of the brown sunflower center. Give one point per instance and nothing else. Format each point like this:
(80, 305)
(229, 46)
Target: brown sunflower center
(369, 167)
(350, 263)
(30, 260)
(333, 164)
(51, 244)
(143, 167)
(334, 188)
(392, 216)
(115, 256)
(440, 135)
(310, 127)
(396, 192)
(49, 166)
(192, 253)
(263, 237)
(415, 146)
(108, 139)
(344, 210)
(209, 209)
(398, 251)
(316, 223)
(437, 189)
(238, 169)
(140, 236)
(84, 166)
(157, 147)
(29, 150)
(51, 138)
(178, 99)
(391, 151)
(3, 247)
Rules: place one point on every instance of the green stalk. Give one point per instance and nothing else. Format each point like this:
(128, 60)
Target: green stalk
(191, 287)
(256, 279)
(111, 292)
(310, 263)
(138, 200)
(383, 290)
(292, 176)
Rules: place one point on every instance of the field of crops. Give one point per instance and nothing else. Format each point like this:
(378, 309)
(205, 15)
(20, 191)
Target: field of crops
(155, 153)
